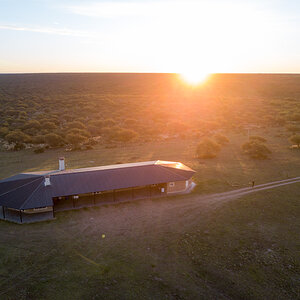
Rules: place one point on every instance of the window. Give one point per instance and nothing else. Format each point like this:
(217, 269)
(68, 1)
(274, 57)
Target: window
(171, 184)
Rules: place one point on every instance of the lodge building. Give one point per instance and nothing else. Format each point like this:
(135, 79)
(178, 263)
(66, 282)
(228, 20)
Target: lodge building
(37, 196)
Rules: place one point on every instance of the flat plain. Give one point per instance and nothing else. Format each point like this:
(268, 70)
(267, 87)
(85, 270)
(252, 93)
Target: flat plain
(181, 247)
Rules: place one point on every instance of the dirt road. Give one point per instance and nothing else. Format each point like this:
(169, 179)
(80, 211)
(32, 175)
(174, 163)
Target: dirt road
(244, 191)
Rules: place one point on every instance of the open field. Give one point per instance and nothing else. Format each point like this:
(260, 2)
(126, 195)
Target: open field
(182, 247)
(231, 167)
(175, 248)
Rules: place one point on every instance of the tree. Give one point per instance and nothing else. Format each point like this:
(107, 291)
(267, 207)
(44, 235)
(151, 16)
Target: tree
(207, 149)
(295, 139)
(256, 150)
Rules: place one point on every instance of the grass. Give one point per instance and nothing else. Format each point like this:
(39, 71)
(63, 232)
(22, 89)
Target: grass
(230, 168)
(172, 248)
(175, 248)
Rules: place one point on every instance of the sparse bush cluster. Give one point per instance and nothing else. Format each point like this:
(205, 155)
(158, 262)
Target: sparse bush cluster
(46, 112)
(207, 148)
(256, 148)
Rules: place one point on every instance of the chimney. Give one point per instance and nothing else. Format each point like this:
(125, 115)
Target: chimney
(61, 163)
(47, 180)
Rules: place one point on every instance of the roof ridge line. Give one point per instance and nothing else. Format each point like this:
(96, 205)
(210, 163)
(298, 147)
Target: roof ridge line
(170, 171)
(68, 173)
(20, 186)
(31, 195)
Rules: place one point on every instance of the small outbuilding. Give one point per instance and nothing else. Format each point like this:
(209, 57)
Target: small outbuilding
(37, 196)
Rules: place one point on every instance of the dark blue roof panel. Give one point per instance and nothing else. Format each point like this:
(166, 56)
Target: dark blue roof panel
(30, 192)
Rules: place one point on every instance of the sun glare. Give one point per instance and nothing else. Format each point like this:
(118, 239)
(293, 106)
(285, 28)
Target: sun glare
(194, 77)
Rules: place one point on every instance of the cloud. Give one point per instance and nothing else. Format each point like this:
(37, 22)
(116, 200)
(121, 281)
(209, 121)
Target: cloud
(48, 30)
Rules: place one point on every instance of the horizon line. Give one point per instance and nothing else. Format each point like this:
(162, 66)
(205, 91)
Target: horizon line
(174, 73)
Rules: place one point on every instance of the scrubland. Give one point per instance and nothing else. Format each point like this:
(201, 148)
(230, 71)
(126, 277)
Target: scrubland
(172, 248)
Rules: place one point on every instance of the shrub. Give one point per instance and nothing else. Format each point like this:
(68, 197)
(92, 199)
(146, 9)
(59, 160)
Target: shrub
(32, 124)
(221, 139)
(295, 117)
(49, 125)
(109, 123)
(75, 139)
(17, 136)
(293, 128)
(125, 135)
(76, 125)
(295, 139)
(3, 131)
(130, 122)
(53, 140)
(257, 138)
(256, 150)
(39, 150)
(18, 147)
(207, 149)
(39, 139)
(79, 132)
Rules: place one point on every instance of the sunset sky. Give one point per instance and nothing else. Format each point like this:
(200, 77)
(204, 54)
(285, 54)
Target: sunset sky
(150, 36)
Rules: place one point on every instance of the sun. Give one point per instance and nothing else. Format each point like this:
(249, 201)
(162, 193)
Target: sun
(194, 77)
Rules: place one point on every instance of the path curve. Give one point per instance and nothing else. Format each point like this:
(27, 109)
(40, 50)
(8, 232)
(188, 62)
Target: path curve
(248, 190)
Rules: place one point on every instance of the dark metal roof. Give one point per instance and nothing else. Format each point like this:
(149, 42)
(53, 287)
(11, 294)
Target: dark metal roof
(30, 191)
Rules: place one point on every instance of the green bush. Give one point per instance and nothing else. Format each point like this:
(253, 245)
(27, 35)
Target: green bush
(32, 124)
(54, 140)
(293, 128)
(109, 123)
(79, 132)
(38, 139)
(49, 126)
(17, 136)
(18, 147)
(221, 139)
(76, 125)
(125, 135)
(3, 131)
(75, 139)
(257, 138)
(256, 150)
(207, 149)
(295, 139)
(39, 150)
(295, 117)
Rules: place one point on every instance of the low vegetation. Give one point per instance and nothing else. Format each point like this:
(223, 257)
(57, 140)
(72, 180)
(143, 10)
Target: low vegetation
(207, 148)
(137, 108)
(221, 139)
(256, 150)
(172, 248)
(295, 139)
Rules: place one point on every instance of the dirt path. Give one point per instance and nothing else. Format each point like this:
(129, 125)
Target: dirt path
(218, 197)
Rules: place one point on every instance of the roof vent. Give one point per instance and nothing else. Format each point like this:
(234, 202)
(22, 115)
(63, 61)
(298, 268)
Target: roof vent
(61, 163)
(47, 180)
